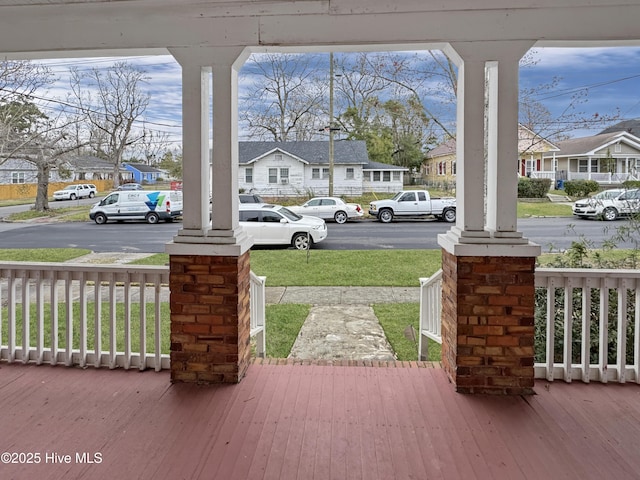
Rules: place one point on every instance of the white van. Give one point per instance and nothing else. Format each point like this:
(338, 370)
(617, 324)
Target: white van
(148, 205)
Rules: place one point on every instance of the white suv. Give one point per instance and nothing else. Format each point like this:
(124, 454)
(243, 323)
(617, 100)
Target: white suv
(277, 225)
(71, 192)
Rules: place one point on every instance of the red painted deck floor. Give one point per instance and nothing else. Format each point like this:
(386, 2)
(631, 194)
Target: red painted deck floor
(309, 421)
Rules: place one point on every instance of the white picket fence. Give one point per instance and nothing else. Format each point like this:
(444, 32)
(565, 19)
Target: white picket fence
(94, 315)
(567, 296)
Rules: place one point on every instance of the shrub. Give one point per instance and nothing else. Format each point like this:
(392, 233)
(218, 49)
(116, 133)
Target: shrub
(631, 184)
(581, 188)
(533, 187)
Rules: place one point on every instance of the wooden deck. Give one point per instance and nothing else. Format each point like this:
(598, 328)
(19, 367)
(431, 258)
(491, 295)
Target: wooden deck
(311, 421)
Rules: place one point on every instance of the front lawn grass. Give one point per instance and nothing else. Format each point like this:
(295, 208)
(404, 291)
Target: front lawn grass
(348, 268)
(282, 325)
(543, 209)
(68, 214)
(54, 255)
(396, 319)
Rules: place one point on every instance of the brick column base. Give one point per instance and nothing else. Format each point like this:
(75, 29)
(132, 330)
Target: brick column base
(488, 323)
(210, 318)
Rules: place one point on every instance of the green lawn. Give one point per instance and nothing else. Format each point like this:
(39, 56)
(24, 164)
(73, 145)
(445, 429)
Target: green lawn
(364, 268)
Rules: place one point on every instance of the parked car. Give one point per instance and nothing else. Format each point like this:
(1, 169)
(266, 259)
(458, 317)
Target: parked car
(329, 208)
(71, 192)
(277, 225)
(609, 204)
(251, 198)
(130, 186)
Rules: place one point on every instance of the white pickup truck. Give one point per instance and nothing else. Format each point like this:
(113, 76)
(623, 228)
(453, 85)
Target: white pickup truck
(416, 204)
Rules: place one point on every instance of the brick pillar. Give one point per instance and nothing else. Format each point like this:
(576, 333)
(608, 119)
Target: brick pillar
(210, 318)
(488, 323)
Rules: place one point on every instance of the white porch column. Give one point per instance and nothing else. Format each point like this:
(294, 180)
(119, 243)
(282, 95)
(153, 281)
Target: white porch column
(209, 264)
(208, 169)
(502, 133)
(487, 122)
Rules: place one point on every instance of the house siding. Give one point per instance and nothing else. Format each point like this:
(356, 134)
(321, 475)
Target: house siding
(261, 184)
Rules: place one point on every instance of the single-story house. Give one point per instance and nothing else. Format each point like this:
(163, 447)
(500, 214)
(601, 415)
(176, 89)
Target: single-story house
(81, 168)
(302, 168)
(608, 158)
(143, 173)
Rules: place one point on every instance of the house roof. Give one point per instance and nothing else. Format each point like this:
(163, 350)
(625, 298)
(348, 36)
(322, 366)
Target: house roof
(89, 162)
(316, 153)
(590, 145)
(382, 166)
(446, 148)
(630, 126)
(141, 167)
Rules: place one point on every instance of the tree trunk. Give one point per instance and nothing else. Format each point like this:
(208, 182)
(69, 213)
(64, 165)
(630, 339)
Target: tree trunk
(42, 200)
(116, 175)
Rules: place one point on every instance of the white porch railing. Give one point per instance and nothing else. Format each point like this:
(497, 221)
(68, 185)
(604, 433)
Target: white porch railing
(258, 304)
(605, 178)
(587, 323)
(430, 313)
(544, 174)
(94, 315)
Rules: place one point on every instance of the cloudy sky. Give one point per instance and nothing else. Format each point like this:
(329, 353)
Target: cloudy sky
(608, 78)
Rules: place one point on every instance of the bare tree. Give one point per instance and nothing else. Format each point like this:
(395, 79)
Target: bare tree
(152, 147)
(111, 101)
(19, 81)
(285, 100)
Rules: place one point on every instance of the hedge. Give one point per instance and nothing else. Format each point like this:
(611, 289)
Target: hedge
(533, 187)
(580, 188)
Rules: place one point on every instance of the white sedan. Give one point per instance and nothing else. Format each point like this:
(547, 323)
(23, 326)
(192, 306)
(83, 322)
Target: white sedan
(329, 208)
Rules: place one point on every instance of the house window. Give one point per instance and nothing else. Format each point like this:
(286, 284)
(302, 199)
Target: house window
(454, 168)
(278, 157)
(17, 177)
(617, 148)
(325, 173)
(284, 175)
(350, 174)
(386, 176)
(376, 176)
(366, 176)
(396, 176)
(315, 173)
(583, 165)
(273, 175)
(248, 175)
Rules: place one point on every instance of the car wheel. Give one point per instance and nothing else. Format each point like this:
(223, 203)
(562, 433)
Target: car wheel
(449, 215)
(609, 214)
(72, 196)
(301, 241)
(100, 218)
(340, 217)
(91, 194)
(153, 218)
(385, 216)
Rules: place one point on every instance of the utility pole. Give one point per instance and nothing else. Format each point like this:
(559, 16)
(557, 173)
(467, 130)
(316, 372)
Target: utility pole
(331, 159)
